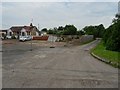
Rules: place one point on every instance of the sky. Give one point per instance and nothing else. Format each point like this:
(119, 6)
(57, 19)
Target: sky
(54, 14)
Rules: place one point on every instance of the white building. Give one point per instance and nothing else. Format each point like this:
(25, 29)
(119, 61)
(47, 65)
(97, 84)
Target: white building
(17, 31)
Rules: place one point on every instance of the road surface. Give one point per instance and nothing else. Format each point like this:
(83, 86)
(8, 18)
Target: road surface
(60, 67)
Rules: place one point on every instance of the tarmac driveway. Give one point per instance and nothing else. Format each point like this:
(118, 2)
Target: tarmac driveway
(59, 67)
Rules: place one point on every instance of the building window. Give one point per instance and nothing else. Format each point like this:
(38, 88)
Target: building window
(23, 34)
(10, 33)
(28, 33)
(17, 33)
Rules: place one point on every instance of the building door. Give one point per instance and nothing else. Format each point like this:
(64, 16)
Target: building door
(18, 35)
(10, 33)
(23, 33)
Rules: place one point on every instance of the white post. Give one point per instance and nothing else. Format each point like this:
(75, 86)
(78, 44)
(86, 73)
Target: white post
(119, 8)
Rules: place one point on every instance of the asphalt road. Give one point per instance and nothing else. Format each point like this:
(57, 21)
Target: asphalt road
(60, 67)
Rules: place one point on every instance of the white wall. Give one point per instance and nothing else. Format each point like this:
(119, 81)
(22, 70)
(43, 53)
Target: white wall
(37, 34)
(52, 38)
(8, 32)
(23, 30)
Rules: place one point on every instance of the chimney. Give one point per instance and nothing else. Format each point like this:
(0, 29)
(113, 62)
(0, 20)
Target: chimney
(31, 24)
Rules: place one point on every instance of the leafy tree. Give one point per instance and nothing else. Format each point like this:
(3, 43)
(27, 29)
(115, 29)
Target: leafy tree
(97, 31)
(100, 30)
(107, 33)
(44, 30)
(112, 35)
(70, 30)
(60, 28)
(89, 30)
(50, 31)
(80, 32)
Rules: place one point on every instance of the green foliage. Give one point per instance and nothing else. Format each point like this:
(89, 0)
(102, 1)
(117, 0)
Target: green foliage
(59, 33)
(44, 30)
(107, 33)
(70, 30)
(100, 50)
(67, 30)
(97, 31)
(112, 36)
(50, 31)
(13, 37)
(60, 28)
(89, 30)
(80, 32)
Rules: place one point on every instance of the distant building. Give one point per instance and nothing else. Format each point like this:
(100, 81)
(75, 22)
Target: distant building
(16, 31)
(3, 33)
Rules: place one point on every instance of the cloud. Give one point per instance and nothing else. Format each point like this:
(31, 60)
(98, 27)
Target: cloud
(0, 15)
(59, 0)
(54, 14)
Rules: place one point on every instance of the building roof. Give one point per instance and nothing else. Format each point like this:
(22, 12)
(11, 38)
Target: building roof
(27, 28)
(19, 28)
(3, 30)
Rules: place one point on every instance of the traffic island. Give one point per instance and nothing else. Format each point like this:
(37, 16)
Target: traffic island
(116, 65)
(107, 56)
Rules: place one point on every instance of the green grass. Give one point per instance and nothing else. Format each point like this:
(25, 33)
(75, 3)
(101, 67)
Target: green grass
(100, 51)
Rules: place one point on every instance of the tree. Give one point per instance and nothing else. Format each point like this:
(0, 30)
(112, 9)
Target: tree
(70, 30)
(97, 31)
(80, 32)
(44, 30)
(107, 33)
(112, 35)
(60, 28)
(89, 30)
(50, 31)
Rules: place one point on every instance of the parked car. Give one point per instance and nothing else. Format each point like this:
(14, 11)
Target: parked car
(8, 37)
(28, 38)
(2, 38)
(25, 38)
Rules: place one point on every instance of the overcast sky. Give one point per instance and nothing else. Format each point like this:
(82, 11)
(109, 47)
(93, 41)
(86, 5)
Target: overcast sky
(54, 14)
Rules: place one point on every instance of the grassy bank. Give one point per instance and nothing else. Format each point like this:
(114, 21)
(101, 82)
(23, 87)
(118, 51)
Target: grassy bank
(112, 56)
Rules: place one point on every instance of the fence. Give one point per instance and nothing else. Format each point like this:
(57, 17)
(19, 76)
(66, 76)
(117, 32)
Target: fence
(40, 38)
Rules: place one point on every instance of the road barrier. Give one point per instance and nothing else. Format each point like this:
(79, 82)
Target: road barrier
(45, 38)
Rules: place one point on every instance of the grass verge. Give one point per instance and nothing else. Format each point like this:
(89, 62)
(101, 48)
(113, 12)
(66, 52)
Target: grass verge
(110, 56)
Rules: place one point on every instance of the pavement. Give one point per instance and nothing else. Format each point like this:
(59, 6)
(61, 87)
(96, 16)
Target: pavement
(59, 67)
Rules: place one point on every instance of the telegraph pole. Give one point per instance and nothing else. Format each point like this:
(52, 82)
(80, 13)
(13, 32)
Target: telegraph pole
(31, 34)
(52, 41)
(38, 27)
(119, 8)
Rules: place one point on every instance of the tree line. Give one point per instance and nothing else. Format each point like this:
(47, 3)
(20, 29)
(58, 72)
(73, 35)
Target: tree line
(67, 30)
(110, 35)
(96, 31)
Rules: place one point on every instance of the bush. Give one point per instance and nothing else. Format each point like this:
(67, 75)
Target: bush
(112, 37)
(13, 37)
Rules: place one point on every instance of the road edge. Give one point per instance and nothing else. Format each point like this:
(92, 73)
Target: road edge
(116, 65)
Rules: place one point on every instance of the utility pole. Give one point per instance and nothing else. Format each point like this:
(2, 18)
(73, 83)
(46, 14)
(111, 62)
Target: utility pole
(52, 41)
(31, 35)
(119, 8)
(38, 27)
